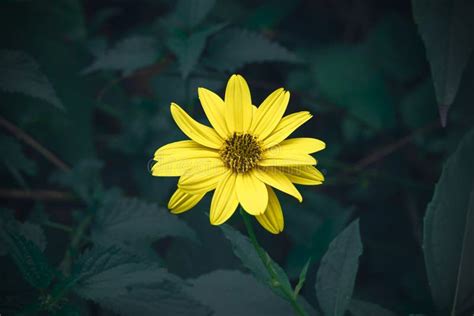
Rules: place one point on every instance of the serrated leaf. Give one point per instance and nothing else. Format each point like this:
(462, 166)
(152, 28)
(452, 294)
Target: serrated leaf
(192, 12)
(449, 231)
(245, 251)
(362, 308)
(233, 48)
(30, 231)
(15, 160)
(28, 257)
(347, 76)
(128, 285)
(131, 220)
(108, 272)
(127, 55)
(338, 270)
(447, 30)
(188, 48)
(84, 179)
(233, 293)
(20, 73)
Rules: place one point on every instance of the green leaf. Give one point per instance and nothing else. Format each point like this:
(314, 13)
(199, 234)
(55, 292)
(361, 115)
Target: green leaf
(338, 270)
(347, 76)
(131, 220)
(128, 285)
(28, 257)
(15, 160)
(84, 179)
(449, 232)
(127, 55)
(188, 48)
(30, 231)
(245, 251)
(20, 73)
(302, 277)
(234, 48)
(192, 12)
(447, 30)
(233, 293)
(416, 107)
(362, 308)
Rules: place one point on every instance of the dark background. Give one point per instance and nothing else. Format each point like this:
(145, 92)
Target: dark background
(109, 70)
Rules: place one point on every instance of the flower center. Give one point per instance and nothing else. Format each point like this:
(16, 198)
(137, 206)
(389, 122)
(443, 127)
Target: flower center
(241, 152)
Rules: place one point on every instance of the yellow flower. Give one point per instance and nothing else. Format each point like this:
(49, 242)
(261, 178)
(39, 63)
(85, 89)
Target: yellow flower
(243, 157)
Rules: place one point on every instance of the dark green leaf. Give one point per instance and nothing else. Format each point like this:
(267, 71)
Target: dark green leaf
(449, 231)
(20, 73)
(188, 48)
(338, 270)
(84, 179)
(245, 251)
(192, 12)
(233, 293)
(127, 55)
(130, 220)
(362, 308)
(233, 48)
(28, 257)
(447, 29)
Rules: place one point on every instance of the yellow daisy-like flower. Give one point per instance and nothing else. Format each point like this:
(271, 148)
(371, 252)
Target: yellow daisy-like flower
(242, 158)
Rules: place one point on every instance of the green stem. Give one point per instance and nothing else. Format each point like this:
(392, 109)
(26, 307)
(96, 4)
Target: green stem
(58, 226)
(74, 244)
(263, 257)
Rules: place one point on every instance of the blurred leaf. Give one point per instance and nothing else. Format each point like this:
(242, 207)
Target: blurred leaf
(362, 308)
(233, 293)
(447, 30)
(245, 251)
(416, 106)
(192, 12)
(130, 220)
(449, 232)
(346, 76)
(403, 63)
(20, 73)
(128, 285)
(188, 48)
(268, 15)
(14, 159)
(338, 270)
(127, 55)
(302, 277)
(84, 179)
(27, 256)
(233, 48)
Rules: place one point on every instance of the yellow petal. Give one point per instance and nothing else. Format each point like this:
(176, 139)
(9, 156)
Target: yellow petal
(224, 201)
(278, 157)
(185, 149)
(270, 112)
(202, 179)
(285, 127)
(307, 175)
(278, 180)
(272, 220)
(238, 105)
(252, 193)
(181, 201)
(198, 132)
(302, 145)
(214, 108)
(172, 166)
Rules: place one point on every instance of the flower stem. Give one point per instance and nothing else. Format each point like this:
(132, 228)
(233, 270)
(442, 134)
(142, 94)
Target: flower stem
(263, 257)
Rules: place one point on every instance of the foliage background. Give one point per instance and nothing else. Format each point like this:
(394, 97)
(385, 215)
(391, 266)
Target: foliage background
(85, 90)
